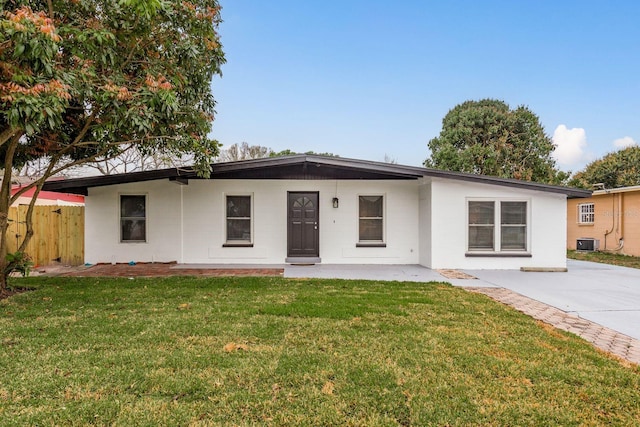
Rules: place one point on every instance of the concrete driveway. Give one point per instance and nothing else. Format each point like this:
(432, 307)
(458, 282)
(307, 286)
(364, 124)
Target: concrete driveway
(605, 294)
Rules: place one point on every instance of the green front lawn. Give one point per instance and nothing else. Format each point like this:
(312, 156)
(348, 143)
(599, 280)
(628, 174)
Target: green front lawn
(606, 258)
(272, 351)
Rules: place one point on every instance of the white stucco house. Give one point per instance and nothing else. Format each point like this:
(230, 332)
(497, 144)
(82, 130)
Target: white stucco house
(316, 209)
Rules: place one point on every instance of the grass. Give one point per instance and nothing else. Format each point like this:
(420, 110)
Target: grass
(272, 351)
(606, 258)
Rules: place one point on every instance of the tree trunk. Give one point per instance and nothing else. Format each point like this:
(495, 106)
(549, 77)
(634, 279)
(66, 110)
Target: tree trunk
(5, 203)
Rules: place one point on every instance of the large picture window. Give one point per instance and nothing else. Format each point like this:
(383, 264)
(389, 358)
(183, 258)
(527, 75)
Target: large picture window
(497, 226)
(238, 219)
(133, 218)
(371, 219)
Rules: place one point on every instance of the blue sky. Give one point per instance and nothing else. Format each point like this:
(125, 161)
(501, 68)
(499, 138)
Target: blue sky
(365, 78)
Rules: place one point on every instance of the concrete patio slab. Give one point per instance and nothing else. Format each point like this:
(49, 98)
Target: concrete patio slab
(403, 273)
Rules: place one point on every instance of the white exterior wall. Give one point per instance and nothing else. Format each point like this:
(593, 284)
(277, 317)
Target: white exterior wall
(201, 222)
(546, 229)
(102, 223)
(425, 224)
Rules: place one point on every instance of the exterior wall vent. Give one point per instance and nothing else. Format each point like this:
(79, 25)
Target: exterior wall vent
(587, 244)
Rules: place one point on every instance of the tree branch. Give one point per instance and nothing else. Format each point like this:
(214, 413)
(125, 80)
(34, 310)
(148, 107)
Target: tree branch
(9, 133)
(85, 128)
(50, 4)
(29, 217)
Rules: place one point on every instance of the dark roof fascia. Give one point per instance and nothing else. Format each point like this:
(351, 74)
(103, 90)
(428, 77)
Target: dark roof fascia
(337, 162)
(428, 172)
(80, 185)
(508, 182)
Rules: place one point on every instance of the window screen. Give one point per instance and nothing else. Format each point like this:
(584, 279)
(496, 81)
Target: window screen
(371, 219)
(239, 218)
(133, 218)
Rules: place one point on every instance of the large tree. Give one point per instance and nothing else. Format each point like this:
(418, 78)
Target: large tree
(488, 137)
(618, 169)
(82, 80)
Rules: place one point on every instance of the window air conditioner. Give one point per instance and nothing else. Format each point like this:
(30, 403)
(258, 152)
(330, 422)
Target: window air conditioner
(587, 244)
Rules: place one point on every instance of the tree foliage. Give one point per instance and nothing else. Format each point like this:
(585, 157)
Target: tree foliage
(289, 152)
(244, 151)
(488, 137)
(134, 160)
(87, 79)
(618, 169)
(389, 159)
(131, 160)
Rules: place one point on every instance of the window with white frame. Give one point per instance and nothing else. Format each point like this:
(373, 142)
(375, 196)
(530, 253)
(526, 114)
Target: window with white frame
(513, 226)
(586, 213)
(481, 226)
(133, 218)
(497, 226)
(238, 219)
(371, 219)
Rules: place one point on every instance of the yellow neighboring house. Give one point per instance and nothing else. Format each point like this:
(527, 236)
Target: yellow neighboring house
(611, 217)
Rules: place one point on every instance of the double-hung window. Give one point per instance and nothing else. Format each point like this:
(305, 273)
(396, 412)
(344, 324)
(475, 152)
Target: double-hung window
(371, 220)
(513, 226)
(481, 226)
(238, 213)
(497, 226)
(586, 213)
(133, 218)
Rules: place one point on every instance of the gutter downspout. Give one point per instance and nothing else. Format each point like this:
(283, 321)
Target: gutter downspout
(621, 219)
(621, 214)
(617, 226)
(613, 219)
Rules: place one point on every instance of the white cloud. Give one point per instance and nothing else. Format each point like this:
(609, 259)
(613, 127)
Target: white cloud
(570, 145)
(624, 142)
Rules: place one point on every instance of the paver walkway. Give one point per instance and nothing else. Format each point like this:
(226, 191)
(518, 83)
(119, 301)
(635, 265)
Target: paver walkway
(603, 338)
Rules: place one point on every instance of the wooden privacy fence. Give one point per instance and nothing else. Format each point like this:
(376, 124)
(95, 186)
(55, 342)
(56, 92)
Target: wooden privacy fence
(58, 234)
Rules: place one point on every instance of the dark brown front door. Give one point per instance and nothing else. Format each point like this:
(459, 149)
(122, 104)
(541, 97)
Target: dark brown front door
(302, 229)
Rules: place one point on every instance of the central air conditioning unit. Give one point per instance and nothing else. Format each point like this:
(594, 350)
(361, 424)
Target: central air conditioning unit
(587, 244)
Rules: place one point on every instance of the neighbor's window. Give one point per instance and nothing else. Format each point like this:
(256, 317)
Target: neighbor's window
(238, 219)
(133, 218)
(586, 213)
(371, 226)
(511, 235)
